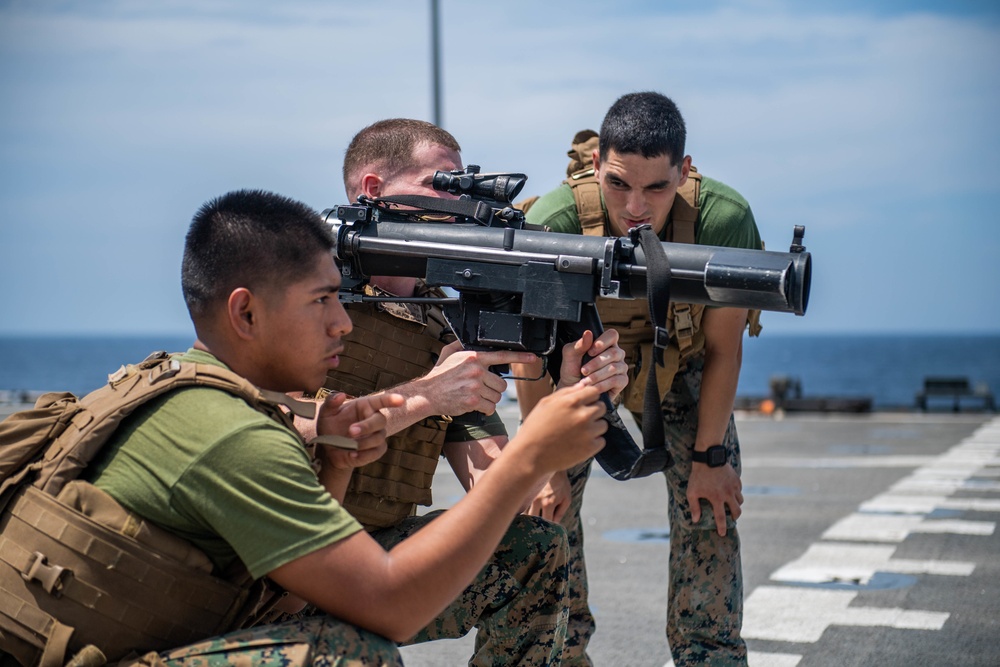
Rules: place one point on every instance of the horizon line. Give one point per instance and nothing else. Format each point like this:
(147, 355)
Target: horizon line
(782, 331)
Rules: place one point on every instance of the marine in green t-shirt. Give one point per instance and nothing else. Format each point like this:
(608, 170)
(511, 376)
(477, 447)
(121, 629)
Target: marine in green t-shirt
(645, 177)
(261, 285)
(206, 466)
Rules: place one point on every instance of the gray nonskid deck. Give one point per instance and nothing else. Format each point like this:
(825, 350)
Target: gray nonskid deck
(867, 540)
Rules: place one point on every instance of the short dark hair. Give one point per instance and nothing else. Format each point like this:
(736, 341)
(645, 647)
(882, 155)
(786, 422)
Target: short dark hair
(248, 238)
(387, 146)
(647, 124)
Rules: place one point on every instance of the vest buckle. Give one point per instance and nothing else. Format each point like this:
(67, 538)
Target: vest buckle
(164, 371)
(49, 576)
(683, 323)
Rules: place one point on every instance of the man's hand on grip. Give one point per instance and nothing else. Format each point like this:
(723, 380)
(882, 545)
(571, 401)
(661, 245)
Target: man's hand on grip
(565, 428)
(605, 369)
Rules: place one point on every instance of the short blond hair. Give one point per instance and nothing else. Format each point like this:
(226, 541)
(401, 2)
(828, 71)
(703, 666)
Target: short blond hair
(386, 148)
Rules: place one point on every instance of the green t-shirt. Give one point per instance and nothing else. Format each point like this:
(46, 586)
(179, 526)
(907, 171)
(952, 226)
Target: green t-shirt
(206, 466)
(725, 218)
(474, 426)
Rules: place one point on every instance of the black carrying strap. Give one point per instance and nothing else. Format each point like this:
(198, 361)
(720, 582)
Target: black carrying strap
(658, 295)
(621, 457)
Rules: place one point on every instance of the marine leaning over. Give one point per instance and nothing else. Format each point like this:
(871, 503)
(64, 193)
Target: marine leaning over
(640, 175)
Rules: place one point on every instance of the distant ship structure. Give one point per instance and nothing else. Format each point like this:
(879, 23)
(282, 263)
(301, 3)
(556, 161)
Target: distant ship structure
(957, 390)
(952, 393)
(786, 396)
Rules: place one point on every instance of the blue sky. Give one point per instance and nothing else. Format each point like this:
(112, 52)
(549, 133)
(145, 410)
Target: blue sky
(873, 124)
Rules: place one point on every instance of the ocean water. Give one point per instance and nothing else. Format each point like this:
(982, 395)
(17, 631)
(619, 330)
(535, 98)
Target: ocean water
(73, 363)
(888, 368)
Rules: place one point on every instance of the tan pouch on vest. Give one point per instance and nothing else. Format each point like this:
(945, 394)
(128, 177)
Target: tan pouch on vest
(112, 579)
(636, 389)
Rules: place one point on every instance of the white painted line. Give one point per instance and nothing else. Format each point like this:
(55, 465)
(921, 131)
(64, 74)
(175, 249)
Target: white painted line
(906, 504)
(945, 471)
(916, 484)
(971, 457)
(857, 564)
(760, 659)
(895, 528)
(840, 462)
(976, 446)
(967, 449)
(957, 527)
(757, 659)
(791, 614)
(872, 528)
(980, 485)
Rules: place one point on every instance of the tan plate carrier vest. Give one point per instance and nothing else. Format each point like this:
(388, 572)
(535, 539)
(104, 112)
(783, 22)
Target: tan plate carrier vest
(76, 568)
(630, 317)
(392, 343)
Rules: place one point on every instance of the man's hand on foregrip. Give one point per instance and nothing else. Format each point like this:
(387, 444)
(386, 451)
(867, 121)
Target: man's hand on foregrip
(599, 360)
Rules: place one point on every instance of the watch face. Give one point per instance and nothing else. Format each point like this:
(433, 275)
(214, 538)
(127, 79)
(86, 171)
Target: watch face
(716, 456)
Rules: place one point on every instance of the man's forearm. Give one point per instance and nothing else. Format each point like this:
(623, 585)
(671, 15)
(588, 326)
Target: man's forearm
(529, 392)
(720, 375)
(416, 407)
(470, 459)
(334, 480)
(715, 404)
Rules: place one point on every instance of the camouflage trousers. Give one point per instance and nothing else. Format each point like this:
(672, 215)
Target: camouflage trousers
(318, 641)
(580, 626)
(705, 584)
(517, 603)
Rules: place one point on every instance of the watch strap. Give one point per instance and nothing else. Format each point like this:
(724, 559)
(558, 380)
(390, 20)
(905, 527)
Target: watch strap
(713, 457)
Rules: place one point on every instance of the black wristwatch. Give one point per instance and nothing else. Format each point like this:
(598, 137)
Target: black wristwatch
(714, 456)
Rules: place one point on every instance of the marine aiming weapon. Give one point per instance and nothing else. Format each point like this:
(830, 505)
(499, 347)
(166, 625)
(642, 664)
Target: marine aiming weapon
(521, 288)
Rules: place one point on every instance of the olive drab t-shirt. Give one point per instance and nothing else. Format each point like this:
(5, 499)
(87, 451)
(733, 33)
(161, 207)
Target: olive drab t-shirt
(206, 466)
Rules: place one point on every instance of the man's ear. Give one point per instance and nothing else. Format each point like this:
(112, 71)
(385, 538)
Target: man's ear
(372, 185)
(596, 157)
(685, 170)
(242, 311)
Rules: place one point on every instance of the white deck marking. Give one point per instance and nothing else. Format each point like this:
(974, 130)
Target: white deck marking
(802, 615)
(896, 528)
(854, 563)
(957, 527)
(947, 485)
(839, 462)
(947, 470)
(891, 502)
(761, 659)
